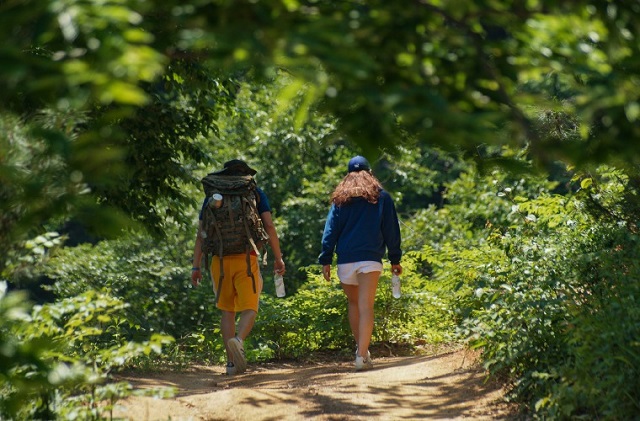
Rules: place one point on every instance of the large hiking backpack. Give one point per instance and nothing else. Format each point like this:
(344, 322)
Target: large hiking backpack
(234, 226)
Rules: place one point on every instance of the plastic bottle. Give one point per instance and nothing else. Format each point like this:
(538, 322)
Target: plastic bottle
(395, 286)
(279, 282)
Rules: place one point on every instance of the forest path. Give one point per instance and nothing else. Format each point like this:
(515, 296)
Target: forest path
(447, 386)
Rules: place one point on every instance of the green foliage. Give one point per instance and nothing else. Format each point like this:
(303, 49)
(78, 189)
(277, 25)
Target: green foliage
(315, 317)
(56, 362)
(549, 296)
(67, 51)
(312, 319)
(37, 184)
(445, 72)
(103, 164)
(152, 277)
(160, 299)
(19, 357)
(115, 101)
(262, 130)
(161, 143)
(424, 314)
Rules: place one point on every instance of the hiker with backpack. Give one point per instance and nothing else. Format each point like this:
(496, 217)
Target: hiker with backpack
(361, 225)
(235, 222)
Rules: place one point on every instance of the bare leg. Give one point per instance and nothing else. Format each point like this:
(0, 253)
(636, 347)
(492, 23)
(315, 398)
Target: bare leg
(354, 314)
(367, 285)
(245, 324)
(228, 327)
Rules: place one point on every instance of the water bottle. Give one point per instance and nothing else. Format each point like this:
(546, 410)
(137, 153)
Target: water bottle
(217, 200)
(279, 281)
(395, 286)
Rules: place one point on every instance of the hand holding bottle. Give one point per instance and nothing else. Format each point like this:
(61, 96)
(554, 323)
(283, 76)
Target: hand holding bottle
(395, 281)
(278, 279)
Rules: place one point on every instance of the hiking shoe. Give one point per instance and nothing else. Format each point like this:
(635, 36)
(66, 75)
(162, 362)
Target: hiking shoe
(231, 369)
(363, 363)
(237, 351)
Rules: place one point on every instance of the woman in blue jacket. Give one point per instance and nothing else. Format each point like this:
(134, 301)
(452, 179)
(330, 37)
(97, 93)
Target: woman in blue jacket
(362, 224)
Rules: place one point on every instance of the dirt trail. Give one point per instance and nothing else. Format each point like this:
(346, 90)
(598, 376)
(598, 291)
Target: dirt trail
(448, 386)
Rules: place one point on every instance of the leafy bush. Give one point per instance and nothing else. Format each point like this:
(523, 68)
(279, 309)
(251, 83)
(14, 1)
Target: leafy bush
(146, 274)
(315, 317)
(551, 299)
(56, 362)
(153, 278)
(160, 299)
(24, 369)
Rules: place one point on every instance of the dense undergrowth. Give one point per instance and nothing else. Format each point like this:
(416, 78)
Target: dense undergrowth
(545, 284)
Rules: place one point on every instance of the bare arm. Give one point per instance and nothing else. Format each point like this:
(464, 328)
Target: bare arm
(274, 242)
(196, 275)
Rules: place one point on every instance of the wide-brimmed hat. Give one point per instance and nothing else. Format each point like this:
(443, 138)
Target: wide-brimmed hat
(236, 166)
(359, 163)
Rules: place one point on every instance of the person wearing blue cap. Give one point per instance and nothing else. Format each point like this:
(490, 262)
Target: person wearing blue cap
(361, 226)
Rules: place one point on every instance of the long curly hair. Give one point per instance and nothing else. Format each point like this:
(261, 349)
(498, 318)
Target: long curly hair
(357, 184)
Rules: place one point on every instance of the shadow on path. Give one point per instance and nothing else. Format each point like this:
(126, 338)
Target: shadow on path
(445, 386)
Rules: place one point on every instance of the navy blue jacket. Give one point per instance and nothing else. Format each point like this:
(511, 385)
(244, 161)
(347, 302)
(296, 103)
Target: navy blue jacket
(360, 231)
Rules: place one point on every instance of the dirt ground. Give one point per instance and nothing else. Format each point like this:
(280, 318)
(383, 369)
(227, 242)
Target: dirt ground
(447, 386)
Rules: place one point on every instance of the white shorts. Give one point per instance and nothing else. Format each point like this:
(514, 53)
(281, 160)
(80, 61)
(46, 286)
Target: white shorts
(348, 272)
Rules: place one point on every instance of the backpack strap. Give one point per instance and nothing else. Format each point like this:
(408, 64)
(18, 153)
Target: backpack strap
(246, 226)
(220, 251)
(251, 242)
(254, 208)
(220, 280)
(249, 271)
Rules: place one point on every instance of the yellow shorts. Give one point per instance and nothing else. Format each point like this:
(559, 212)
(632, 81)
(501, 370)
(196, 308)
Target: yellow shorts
(237, 286)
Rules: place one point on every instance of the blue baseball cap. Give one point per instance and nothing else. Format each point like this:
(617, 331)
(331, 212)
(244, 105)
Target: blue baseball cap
(359, 163)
